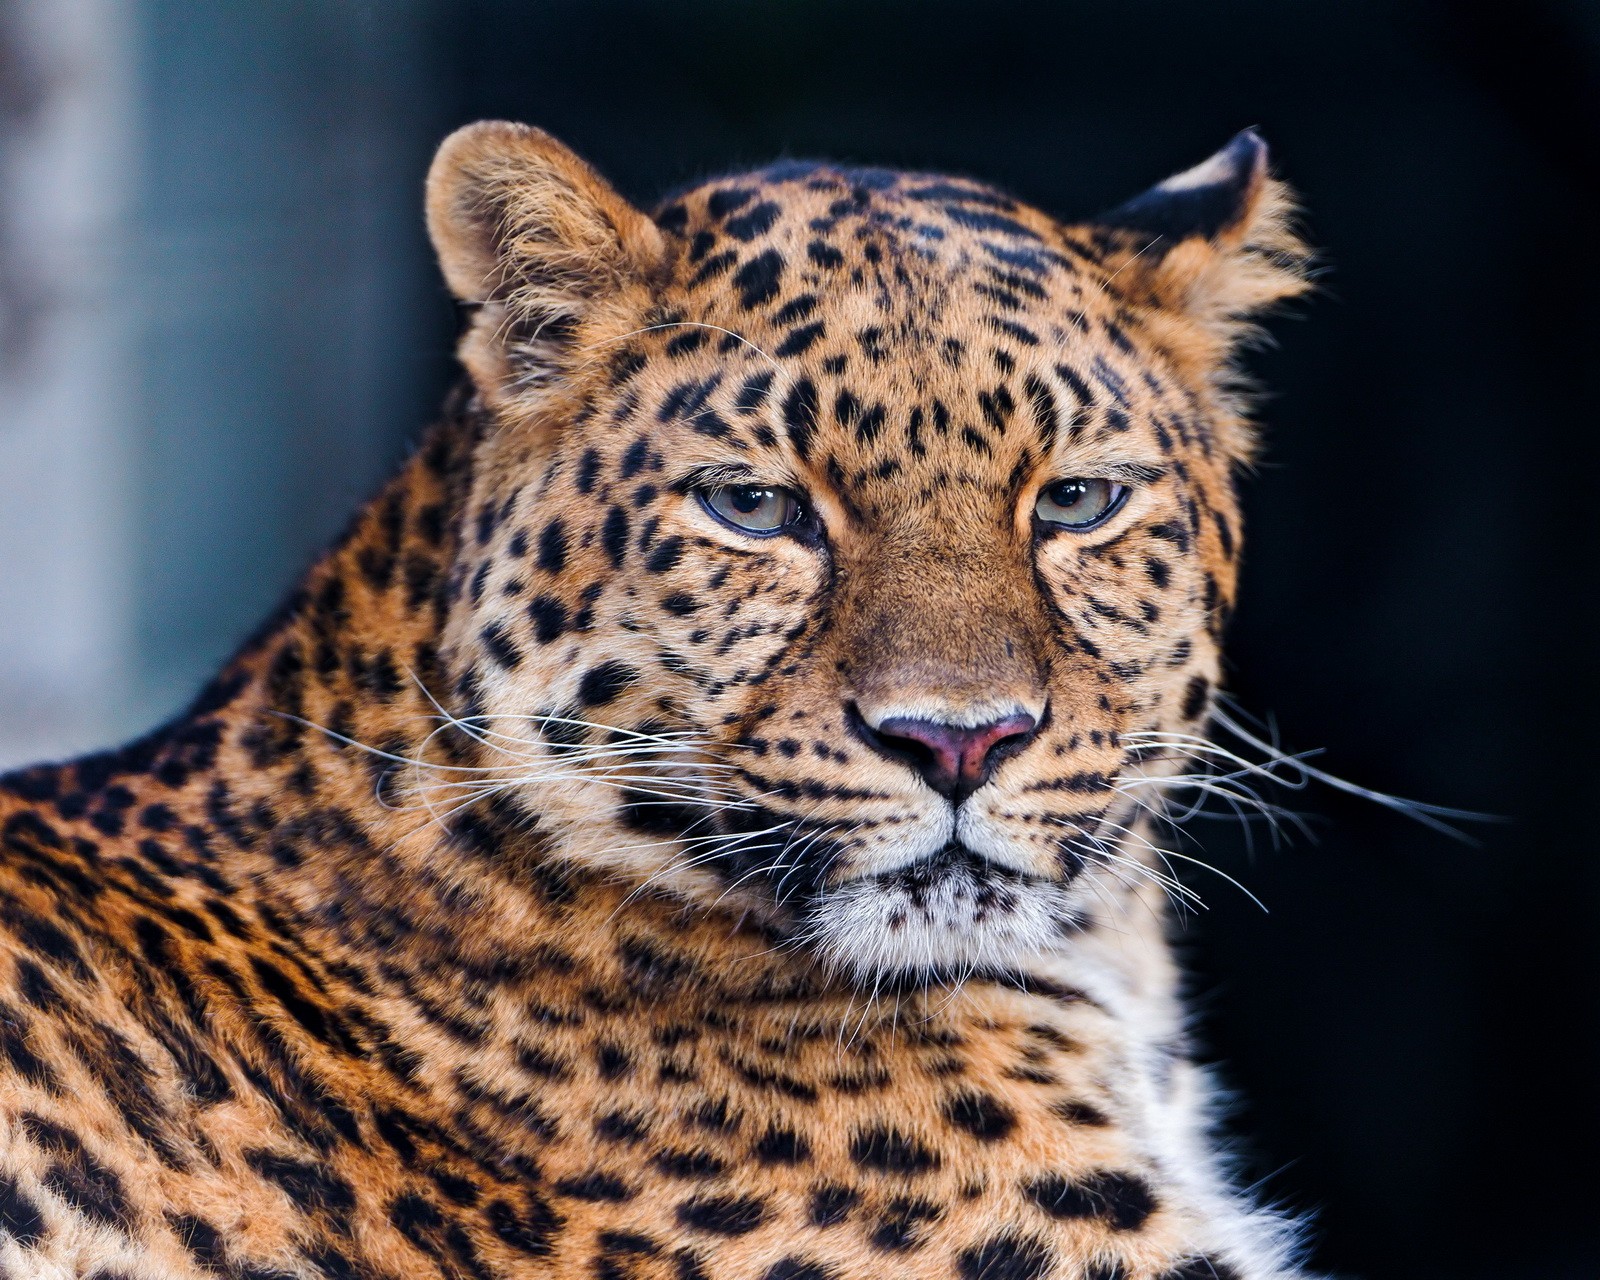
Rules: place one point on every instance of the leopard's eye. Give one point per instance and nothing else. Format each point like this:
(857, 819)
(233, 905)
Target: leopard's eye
(1081, 502)
(761, 510)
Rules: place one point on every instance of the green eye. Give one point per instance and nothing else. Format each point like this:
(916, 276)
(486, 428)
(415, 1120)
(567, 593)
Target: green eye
(761, 510)
(1081, 502)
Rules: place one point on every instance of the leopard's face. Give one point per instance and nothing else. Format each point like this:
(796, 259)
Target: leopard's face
(853, 561)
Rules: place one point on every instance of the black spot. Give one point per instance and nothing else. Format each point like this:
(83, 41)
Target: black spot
(500, 646)
(757, 280)
(200, 1238)
(1075, 1112)
(725, 200)
(681, 604)
(626, 363)
(614, 536)
(1005, 1258)
(711, 268)
(553, 547)
(312, 1187)
(831, 1204)
(794, 311)
(1120, 1199)
(896, 1231)
(20, 1218)
(747, 226)
(824, 255)
(14, 1050)
(77, 1177)
(1026, 336)
(753, 394)
(980, 1114)
(549, 617)
(665, 556)
(890, 1151)
(634, 459)
(710, 423)
(977, 221)
(622, 1126)
(306, 1012)
(588, 469)
(800, 415)
(35, 987)
(723, 1215)
(642, 812)
(673, 218)
(530, 1231)
(596, 1187)
(627, 1242)
(797, 1269)
(871, 424)
(689, 340)
(689, 1164)
(701, 245)
(800, 340)
(601, 685)
(962, 192)
(782, 1146)
(613, 1061)
(1196, 695)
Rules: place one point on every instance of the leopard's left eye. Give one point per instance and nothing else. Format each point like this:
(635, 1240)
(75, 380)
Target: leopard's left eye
(761, 510)
(1081, 502)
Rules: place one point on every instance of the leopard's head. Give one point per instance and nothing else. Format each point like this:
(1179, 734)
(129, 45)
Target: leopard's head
(844, 542)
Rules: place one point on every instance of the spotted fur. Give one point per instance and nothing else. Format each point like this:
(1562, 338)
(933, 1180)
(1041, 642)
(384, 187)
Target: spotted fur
(539, 894)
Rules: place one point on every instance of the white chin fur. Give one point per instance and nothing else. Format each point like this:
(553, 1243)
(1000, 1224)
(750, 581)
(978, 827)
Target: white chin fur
(952, 920)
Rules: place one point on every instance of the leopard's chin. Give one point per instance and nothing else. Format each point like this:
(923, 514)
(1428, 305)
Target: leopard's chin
(938, 918)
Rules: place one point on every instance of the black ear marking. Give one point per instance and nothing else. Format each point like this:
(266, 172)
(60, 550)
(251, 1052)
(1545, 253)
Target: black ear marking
(1207, 200)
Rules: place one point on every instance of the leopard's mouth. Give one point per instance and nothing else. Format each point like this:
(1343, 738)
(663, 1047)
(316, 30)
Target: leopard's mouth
(950, 912)
(956, 866)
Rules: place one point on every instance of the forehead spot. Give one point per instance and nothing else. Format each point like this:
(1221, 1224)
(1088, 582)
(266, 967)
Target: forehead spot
(757, 280)
(800, 340)
(747, 226)
(727, 200)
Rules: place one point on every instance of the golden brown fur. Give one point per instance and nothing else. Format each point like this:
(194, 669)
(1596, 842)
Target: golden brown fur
(537, 896)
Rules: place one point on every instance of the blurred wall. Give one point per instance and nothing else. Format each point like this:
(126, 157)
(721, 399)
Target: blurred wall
(66, 599)
(220, 337)
(242, 329)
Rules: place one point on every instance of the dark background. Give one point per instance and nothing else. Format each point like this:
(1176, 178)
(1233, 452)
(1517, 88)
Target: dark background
(1413, 1028)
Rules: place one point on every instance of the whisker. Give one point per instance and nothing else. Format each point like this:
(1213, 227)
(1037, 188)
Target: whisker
(1429, 815)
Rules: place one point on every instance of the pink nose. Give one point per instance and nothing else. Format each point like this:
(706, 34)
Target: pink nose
(954, 760)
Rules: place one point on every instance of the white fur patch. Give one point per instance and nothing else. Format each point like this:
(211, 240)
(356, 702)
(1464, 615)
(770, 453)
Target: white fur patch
(946, 915)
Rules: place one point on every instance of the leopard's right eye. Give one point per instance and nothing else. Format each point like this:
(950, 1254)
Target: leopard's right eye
(1080, 503)
(759, 510)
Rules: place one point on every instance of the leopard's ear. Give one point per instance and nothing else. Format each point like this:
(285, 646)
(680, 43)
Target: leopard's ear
(1215, 243)
(550, 254)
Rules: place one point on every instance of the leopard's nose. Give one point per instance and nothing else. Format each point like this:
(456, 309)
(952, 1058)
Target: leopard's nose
(954, 759)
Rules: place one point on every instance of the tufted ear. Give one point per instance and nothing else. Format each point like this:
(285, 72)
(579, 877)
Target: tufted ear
(1214, 243)
(545, 248)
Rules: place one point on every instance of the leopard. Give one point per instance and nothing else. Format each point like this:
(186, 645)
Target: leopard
(699, 822)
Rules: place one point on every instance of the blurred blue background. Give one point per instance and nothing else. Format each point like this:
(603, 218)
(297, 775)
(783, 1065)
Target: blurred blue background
(220, 327)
